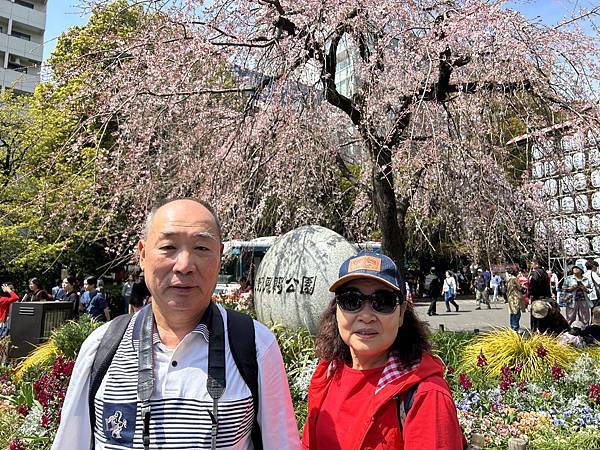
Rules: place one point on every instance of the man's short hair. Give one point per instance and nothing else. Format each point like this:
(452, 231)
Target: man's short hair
(166, 201)
(590, 264)
(91, 280)
(35, 281)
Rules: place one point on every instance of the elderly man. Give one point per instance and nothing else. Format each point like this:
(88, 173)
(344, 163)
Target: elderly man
(174, 381)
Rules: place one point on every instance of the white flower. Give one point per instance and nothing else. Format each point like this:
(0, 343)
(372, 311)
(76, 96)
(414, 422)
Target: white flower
(32, 426)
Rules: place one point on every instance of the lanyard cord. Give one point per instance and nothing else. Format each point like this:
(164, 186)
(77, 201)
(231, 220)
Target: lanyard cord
(146, 373)
(215, 382)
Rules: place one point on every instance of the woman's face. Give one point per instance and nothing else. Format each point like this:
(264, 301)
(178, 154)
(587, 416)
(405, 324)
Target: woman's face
(68, 287)
(369, 334)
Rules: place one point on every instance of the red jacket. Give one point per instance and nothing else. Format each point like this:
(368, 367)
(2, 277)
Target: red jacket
(431, 422)
(5, 303)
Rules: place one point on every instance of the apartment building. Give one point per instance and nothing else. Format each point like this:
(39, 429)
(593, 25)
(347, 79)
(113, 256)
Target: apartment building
(22, 24)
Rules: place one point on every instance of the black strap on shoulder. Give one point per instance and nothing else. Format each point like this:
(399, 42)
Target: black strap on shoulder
(240, 328)
(104, 355)
(404, 403)
(215, 383)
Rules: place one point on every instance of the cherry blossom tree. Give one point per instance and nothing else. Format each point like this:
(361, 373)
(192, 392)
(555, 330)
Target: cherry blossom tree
(241, 102)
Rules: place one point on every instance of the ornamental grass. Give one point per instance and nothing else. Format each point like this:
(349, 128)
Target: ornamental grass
(503, 347)
(41, 358)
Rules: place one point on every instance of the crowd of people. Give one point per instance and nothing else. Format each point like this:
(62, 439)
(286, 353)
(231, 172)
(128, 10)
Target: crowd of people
(90, 298)
(536, 289)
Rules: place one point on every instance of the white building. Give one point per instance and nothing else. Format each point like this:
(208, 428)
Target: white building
(22, 25)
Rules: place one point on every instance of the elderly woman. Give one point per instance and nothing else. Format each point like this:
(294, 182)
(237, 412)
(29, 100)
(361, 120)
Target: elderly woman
(377, 386)
(577, 287)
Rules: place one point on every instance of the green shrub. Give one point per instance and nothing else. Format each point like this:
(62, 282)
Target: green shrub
(449, 345)
(10, 422)
(572, 440)
(297, 348)
(69, 337)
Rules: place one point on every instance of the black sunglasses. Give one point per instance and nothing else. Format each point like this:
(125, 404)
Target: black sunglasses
(384, 302)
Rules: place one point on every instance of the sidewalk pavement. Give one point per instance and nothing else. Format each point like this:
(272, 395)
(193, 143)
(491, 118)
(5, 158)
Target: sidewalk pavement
(468, 318)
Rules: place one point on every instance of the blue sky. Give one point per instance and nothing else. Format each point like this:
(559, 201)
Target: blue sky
(63, 14)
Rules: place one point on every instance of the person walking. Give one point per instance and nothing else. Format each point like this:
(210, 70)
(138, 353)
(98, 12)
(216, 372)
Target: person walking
(523, 278)
(577, 302)
(539, 288)
(592, 275)
(433, 288)
(126, 292)
(515, 299)
(481, 290)
(495, 283)
(449, 291)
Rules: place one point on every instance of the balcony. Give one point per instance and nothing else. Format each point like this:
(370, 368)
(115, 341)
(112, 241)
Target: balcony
(31, 17)
(21, 47)
(13, 79)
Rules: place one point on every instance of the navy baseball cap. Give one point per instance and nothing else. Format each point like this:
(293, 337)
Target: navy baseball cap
(367, 264)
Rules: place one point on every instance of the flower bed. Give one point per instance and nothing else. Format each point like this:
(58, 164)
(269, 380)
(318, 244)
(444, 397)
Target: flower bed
(540, 392)
(537, 389)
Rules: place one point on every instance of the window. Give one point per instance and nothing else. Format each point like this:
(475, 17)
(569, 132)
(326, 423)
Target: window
(20, 35)
(25, 4)
(17, 67)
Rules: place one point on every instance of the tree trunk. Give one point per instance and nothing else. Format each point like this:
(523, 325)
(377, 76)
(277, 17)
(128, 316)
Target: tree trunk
(385, 207)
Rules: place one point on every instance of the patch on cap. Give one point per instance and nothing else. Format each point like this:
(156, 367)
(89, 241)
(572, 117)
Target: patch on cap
(365, 263)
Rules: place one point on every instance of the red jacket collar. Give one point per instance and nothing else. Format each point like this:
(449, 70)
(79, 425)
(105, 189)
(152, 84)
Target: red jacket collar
(396, 378)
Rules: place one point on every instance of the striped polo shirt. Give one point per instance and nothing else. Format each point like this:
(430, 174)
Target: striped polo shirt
(180, 403)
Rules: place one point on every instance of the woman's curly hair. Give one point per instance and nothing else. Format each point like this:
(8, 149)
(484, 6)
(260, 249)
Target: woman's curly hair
(412, 340)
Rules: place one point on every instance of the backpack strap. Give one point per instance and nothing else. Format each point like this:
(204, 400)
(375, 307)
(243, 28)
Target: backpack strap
(104, 356)
(216, 380)
(240, 330)
(405, 404)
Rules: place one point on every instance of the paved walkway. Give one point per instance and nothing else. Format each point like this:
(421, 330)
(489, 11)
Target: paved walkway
(468, 318)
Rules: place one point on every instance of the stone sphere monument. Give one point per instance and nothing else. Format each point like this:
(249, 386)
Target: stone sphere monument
(292, 283)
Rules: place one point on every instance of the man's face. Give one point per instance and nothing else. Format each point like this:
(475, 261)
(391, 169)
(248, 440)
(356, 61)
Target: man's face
(89, 287)
(181, 257)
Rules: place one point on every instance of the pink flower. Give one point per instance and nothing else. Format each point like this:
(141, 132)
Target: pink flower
(23, 409)
(506, 378)
(16, 444)
(517, 368)
(62, 367)
(481, 360)
(557, 373)
(464, 381)
(450, 370)
(522, 385)
(541, 351)
(594, 393)
(46, 420)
